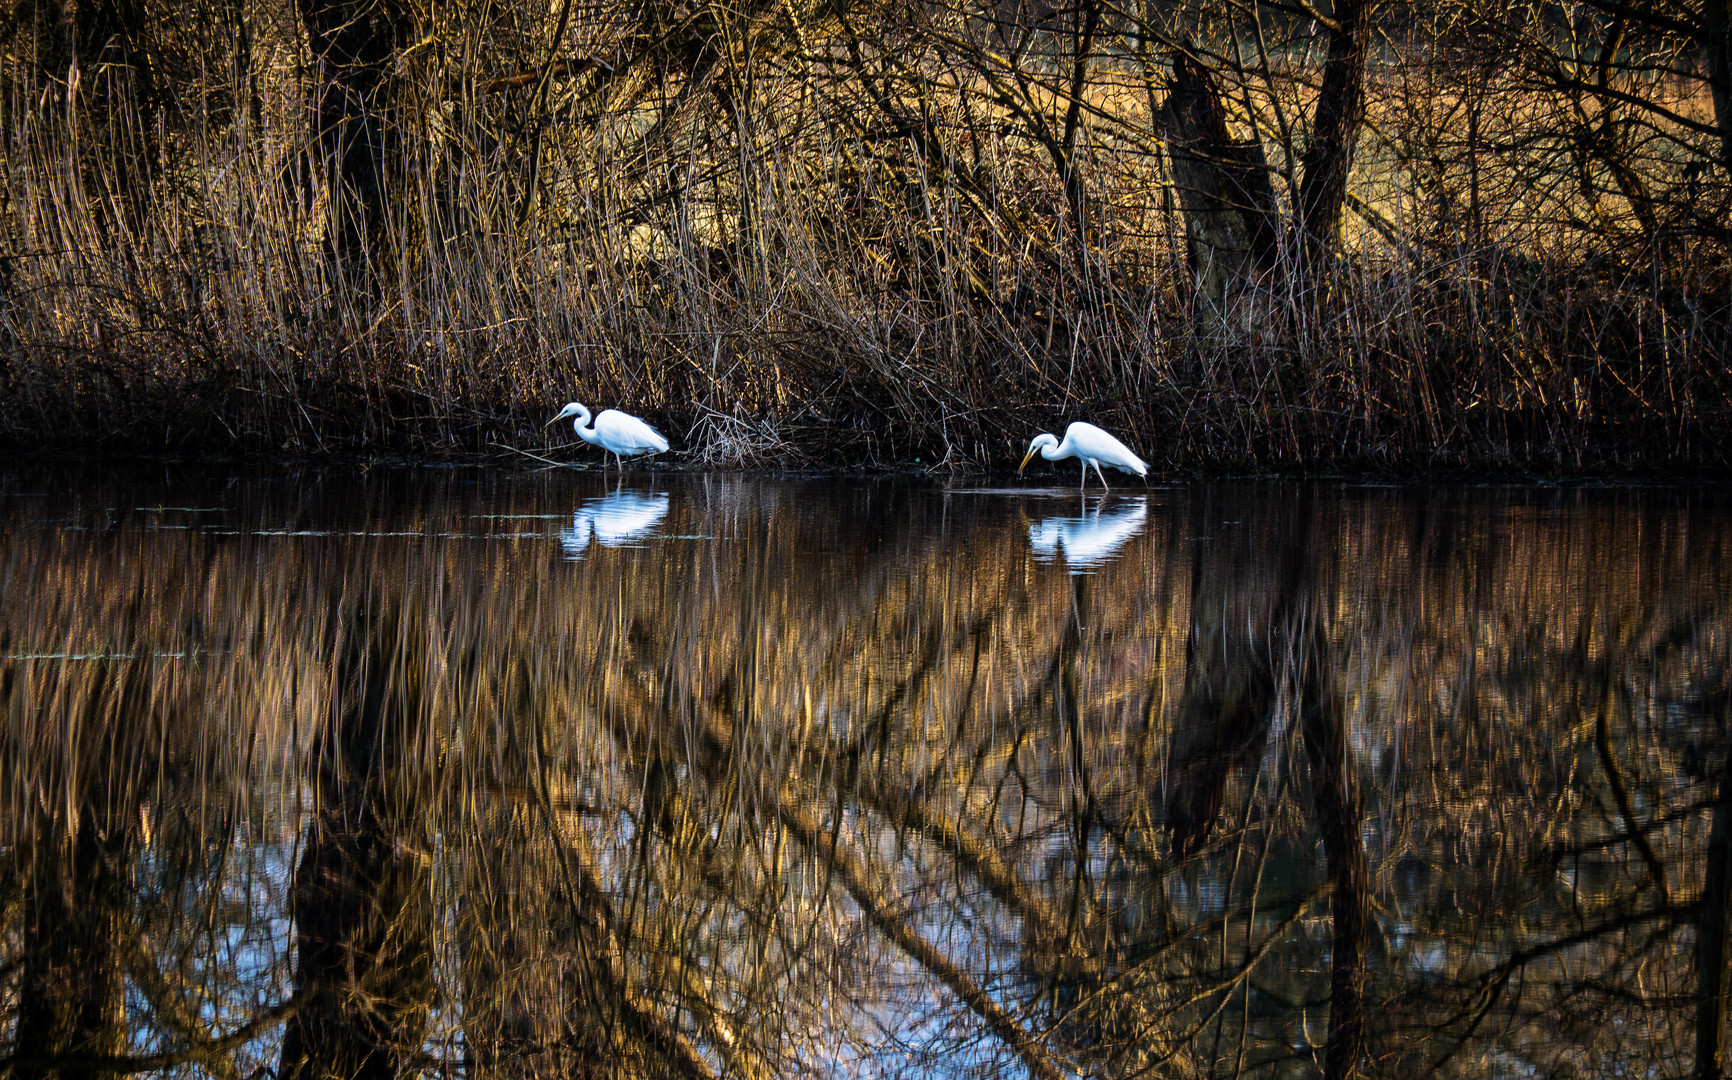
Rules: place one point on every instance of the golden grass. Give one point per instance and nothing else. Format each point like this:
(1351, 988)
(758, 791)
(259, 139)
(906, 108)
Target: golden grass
(789, 283)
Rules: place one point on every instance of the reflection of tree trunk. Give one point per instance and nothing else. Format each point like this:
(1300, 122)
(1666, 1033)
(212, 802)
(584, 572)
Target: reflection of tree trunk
(1231, 691)
(1223, 719)
(71, 999)
(513, 974)
(1714, 978)
(1224, 711)
(1335, 788)
(71, 994)
(363, 951)
(1322, 722)
(361, 900)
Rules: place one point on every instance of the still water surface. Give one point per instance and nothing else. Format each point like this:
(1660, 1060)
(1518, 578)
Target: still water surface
(509, 775)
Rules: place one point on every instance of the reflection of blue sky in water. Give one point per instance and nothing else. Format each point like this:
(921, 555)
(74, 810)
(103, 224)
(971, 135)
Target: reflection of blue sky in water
(765, 631)
(1088, 541)
(613, 521)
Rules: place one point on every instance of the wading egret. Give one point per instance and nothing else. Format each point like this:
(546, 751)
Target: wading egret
(620, 434)
(1092, 446)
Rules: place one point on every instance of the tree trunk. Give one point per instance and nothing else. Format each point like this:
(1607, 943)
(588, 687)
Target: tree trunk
(1223, 187)
(99, 53)
(1335, 124)
(351, 44)
(1717, 54)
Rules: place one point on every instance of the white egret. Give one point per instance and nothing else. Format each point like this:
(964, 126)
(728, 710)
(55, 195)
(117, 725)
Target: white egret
(620, 434)
(1091, 446)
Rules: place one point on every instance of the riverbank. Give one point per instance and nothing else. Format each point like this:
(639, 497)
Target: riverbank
(1409, 365)
(863, 266)
(220, 417)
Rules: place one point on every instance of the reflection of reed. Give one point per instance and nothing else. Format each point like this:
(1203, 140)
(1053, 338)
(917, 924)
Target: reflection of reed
(745, 805)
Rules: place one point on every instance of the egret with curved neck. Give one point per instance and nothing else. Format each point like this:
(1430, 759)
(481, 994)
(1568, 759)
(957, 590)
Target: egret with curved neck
(620, 434)
(1091, 446)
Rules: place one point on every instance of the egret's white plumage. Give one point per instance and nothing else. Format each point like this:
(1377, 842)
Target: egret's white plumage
(620, 434)
(1091, 446)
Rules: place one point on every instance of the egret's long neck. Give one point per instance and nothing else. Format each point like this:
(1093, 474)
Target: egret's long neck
(1055, 451)
(581, 426)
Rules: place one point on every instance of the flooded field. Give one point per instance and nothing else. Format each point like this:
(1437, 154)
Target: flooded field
(469, 773)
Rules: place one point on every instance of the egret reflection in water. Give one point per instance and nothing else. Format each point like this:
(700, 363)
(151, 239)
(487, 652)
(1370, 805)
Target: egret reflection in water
(615, 520)
(1088, 541)
(1375, 782)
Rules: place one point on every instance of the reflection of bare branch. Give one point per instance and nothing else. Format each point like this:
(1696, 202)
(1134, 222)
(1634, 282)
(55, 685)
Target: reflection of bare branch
(212, 1054)
(878, 910)
(1621, 794)
(1221, 991)
(168, 1002)
(600, 942)
(974, 852)
(745, 813)
(791, 808)
(1488, 988)
(642, 1020)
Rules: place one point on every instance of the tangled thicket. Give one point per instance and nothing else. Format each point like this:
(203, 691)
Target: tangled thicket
(1379, 237)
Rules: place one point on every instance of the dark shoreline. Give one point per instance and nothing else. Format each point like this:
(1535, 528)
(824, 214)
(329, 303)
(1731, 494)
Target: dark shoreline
(1658, 473)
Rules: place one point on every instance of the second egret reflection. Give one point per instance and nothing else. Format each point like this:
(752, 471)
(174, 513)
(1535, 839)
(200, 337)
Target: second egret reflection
(616, 520)
(1091, 539)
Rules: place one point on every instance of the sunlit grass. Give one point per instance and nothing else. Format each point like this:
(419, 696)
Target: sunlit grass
(786, 283)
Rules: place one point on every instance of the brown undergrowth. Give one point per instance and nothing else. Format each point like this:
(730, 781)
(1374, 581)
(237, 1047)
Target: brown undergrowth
(794, 279)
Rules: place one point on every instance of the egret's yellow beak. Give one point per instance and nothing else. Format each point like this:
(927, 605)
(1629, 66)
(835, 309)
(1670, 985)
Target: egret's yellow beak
(555, 420)
(1025, 458)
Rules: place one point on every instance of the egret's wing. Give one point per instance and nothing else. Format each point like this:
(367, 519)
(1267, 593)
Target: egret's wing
(627, 434)
(1093, 443)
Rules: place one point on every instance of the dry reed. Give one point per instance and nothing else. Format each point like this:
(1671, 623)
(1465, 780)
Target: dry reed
(789, 269)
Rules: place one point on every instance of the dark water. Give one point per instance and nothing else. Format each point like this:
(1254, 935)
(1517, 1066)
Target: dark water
(468, 773)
